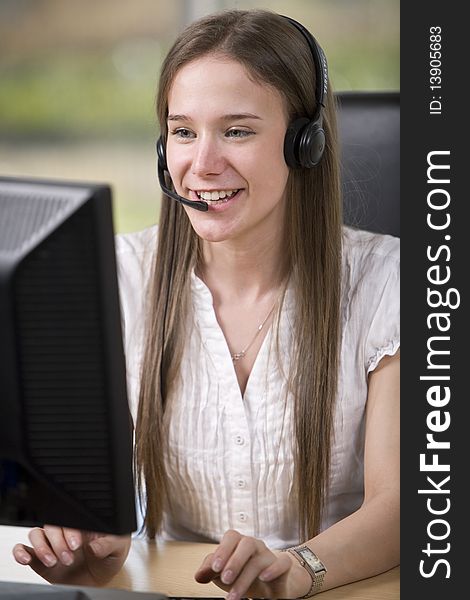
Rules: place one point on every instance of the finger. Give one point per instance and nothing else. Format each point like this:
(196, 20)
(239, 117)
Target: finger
(56, 539)
(21, 554)
(205, 573)
(105, 546)
(226, 548)
(41, 547)
(73, 538)
(26, 555)
(245, 550)
(33, 562)
(248, 578)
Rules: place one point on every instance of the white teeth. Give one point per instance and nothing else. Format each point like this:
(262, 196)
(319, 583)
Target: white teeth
(217, 195)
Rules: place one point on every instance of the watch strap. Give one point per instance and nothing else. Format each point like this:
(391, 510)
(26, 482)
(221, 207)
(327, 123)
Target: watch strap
(317, 575)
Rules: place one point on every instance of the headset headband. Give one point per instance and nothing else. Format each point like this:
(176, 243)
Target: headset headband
(321, 66)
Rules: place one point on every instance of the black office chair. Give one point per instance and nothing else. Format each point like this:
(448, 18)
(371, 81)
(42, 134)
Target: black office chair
(369, 133)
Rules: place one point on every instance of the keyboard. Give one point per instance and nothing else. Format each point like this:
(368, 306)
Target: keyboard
(38, 591)
(35, 591)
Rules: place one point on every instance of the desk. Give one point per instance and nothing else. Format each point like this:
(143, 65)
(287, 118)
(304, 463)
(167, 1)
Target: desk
(169, 567)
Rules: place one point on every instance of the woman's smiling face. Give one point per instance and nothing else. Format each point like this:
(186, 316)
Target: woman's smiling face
(225, 146)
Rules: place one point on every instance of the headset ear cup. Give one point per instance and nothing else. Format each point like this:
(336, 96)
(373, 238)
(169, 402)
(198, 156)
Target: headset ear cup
(161, 154)
(311, 145)
(292, 142)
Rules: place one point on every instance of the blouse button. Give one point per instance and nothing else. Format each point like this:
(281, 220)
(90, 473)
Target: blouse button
(241, 483)
(239, 440)
(243, 517)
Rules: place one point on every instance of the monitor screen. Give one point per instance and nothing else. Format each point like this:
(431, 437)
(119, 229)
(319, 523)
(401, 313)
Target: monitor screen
(65, 428)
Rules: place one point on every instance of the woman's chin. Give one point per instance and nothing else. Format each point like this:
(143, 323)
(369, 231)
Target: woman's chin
(211, 230)
(214, 234)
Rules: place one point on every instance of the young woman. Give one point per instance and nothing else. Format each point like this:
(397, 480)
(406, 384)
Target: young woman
(261, 335)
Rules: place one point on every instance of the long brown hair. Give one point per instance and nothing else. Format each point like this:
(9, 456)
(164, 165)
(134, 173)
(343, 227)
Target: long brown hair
(273, 52)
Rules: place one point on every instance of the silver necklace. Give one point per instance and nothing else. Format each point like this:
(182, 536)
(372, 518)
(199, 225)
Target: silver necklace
(238, 355)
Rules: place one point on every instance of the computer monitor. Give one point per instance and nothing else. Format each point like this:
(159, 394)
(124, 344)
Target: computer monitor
(65, 428)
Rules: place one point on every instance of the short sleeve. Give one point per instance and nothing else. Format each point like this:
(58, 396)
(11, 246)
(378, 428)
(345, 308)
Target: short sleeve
(384, 333)
(371, 298)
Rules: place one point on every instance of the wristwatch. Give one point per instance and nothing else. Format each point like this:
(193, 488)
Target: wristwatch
(310, 561)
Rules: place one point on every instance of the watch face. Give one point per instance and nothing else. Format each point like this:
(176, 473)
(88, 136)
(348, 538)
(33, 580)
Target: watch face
(311, 559)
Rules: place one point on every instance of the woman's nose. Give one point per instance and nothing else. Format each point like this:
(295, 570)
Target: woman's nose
(207, 158)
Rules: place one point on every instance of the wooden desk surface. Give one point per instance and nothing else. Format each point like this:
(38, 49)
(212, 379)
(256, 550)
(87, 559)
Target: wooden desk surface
(169, 568)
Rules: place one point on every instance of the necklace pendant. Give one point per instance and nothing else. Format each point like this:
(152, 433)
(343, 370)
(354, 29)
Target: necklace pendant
(238, 355)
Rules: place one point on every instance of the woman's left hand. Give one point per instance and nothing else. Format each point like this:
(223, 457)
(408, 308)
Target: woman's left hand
(244, 566)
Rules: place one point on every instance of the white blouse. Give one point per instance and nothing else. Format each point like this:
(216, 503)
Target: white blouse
(230, 459)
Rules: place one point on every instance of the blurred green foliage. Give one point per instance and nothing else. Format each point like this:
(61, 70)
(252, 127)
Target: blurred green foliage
(77, 94)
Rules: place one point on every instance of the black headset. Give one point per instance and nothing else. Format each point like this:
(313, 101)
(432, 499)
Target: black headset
(304, 142)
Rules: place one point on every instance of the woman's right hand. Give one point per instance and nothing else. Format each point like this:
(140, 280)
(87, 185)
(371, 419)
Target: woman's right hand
(73, 557)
